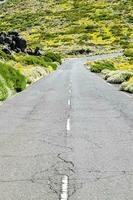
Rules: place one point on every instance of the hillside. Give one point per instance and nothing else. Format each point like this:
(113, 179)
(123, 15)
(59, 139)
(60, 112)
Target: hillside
(69, 25)
(60, 28)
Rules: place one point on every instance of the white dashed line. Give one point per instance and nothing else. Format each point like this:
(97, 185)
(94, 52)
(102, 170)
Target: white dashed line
(69, 102)
(70, 91)
(68, 126)
(64, 188)
(109, 84)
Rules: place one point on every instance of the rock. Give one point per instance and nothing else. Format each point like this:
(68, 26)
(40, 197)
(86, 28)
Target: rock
(3, 34)
(13, 33)
(2, 39)
(29, 51)
(17, 50)
(37, 52)
(6, 50)
(20, 43)
(8, 40)
(80, 51)
(13, 45)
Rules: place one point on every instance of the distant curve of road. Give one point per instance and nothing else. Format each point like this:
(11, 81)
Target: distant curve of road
(68, 136)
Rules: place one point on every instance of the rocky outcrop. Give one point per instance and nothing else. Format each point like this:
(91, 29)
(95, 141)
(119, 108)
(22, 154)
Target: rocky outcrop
(13, 42)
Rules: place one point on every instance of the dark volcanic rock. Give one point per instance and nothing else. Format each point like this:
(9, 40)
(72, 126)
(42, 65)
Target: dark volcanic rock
(80, 51)
(13, 33)
(29, 51)
(2, 39)
(13, 45)
(37, 52)
(6, 50)
(8, 40)
(20, 43)
(17, 50)
(12, 41)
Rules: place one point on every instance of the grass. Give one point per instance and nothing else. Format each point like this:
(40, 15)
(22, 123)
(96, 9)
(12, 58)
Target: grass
(63, 26)
(13, 78)
(98, 66)
(19, 70)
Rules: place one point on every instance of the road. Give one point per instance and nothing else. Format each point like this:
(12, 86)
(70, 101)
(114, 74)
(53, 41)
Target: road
(68, 136)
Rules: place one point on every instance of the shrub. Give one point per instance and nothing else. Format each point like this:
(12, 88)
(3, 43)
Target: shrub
(13, 78)
(3, 91)
(127, 87)
(36, 60)
(120, 77)
(98, 66)
(5, 56)
(54, 57)
(128, 53)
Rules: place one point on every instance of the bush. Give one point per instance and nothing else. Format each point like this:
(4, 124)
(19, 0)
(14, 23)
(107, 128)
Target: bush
(54, 57)
(128, 53)
(36, 60)
(13, 78)
(98, 66)
(3, 91)
(127, 87)
(5, 56)
(120, 77)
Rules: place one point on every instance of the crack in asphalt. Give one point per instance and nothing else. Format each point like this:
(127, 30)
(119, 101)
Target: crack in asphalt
(65, 161)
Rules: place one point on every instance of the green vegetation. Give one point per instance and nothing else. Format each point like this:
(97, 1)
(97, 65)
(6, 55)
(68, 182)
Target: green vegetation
(98, 66)
(19, 70)
(116, 70)
(11, 80)
(63, 26)
(66, 26)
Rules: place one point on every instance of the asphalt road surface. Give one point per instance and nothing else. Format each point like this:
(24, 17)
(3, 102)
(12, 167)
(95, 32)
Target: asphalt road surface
(68, 136)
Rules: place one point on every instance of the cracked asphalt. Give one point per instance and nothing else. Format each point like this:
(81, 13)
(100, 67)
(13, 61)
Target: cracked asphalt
(69, 124)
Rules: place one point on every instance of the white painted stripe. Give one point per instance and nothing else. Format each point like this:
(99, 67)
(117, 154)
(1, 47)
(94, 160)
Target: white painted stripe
(109, 84)
(68, 126)
(70, 91)
(127, 95)
(69, 102)
(64, 188)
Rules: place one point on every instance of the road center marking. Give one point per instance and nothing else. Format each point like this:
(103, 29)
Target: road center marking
(68, 126)
(64, 188)
(109, 84)
(69, 102)
(70, 91)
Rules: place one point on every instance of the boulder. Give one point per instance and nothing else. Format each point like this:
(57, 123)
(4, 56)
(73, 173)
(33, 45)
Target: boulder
(20, 43)
(37, 52)
(13, 33)
(29, 51)
(8, 40)
(6, 50)
(2, 39)
(13, 45)
(17, 50)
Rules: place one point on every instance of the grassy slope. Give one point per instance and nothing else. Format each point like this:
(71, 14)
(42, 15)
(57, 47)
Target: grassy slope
(64, 25)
